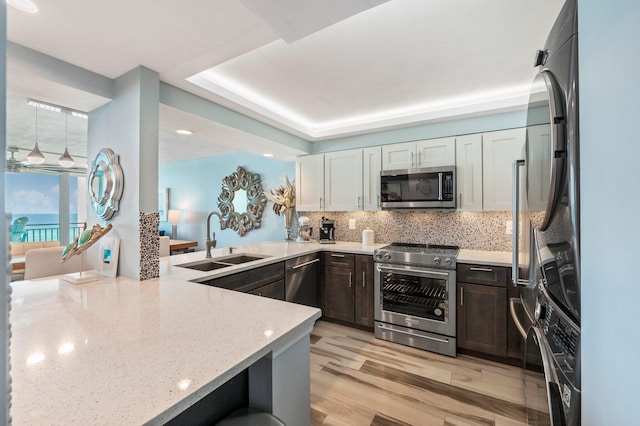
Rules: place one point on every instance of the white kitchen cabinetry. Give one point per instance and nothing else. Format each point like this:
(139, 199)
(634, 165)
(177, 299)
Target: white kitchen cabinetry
(398, 156)
(499, 151)
(436, 152)
(371, 166)
(469, 172)
(538, 169)
(343, 180)
(310, 182)
(427, 153)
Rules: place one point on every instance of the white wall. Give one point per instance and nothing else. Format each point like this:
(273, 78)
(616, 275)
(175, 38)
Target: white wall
(610, 180)
(194, 187)
(4, 278)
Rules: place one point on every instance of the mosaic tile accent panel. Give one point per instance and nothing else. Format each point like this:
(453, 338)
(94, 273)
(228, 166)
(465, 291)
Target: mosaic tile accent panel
(469, 230)
(149, 245)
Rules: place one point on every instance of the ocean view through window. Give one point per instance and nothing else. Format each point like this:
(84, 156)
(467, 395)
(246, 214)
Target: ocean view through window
(37, 196)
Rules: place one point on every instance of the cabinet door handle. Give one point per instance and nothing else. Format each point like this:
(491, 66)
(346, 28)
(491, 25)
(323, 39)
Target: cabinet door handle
(461, 296)
(358, 201)
(320, 203)
(481, 269)
(419, 160)
(378, 201)
(364, 279)
(337, 255)
(412, 160)
(350, 279)
(460, 200)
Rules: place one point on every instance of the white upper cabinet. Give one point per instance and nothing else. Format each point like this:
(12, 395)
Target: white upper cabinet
(310, 183)
(427, 153)
(499, 151)
(539, 171)
(469, 172)
(399, 156)
(371, 166)
(436, 152)
(343, 180)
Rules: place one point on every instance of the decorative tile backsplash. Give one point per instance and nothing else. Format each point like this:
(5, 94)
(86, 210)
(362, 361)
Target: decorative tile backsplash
(469, 230)
(149, 246)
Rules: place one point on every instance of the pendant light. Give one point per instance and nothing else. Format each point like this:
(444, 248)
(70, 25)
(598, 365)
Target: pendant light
(35, 156)
(66, 160)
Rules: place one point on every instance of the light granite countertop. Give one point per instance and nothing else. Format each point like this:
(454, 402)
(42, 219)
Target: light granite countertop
(483, 257)
(121, 351)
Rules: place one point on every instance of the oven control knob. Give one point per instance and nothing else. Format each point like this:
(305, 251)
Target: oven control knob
(448, 261)
(387, 256)
(378, 256)
(436, 260)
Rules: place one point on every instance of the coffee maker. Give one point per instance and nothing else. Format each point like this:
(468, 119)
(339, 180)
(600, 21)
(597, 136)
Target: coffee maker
(327, 231)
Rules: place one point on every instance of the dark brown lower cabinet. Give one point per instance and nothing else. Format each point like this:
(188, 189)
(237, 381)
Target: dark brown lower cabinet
(273, 291)
(338, 292)
(347, 288)
(364, 291)
(482, 319)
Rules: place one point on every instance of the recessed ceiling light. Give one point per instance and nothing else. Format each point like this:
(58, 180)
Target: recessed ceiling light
(184, 132)
(23, 5)
(268, 154)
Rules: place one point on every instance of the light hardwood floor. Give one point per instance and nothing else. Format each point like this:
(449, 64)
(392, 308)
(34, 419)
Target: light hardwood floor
(357, 379)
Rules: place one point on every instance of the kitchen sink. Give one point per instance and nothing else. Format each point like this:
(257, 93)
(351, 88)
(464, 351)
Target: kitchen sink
(204, 265)
(241, 258)
(222, 262)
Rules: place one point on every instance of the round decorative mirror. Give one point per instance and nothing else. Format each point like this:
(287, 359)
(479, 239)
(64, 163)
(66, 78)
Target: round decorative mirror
(241, 201)
(105, 183)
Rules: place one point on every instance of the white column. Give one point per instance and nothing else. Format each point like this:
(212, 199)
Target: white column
(129, 125)
(63, 208)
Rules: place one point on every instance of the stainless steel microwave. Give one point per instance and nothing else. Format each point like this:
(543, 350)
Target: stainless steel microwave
(419, 188)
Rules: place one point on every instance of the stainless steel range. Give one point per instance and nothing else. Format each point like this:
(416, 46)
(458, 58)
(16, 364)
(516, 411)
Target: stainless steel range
(415, 296)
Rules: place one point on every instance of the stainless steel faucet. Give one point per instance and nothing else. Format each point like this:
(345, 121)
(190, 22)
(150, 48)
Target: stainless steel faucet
(211, 243)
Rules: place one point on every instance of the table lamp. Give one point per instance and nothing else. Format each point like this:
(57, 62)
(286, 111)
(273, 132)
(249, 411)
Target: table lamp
(174, 220)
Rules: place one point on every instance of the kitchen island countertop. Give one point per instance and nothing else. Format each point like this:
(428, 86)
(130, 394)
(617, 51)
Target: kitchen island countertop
(121, 351)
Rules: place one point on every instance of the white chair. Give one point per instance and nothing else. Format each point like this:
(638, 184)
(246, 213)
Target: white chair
(164, 246)
(45, 262)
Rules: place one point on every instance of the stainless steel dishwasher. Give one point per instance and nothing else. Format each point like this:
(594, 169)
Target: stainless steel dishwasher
(301, 284)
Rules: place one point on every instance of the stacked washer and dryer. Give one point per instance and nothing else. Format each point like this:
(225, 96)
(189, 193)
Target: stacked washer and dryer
(546, 264)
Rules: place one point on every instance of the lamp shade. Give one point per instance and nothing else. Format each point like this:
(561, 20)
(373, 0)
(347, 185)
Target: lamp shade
(174, 216)
(66, 160)
(35, 156)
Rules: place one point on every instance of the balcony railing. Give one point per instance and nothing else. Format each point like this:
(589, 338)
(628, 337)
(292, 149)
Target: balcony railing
(51, 231)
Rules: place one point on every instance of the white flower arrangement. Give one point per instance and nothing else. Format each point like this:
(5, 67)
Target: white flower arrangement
(283, 197)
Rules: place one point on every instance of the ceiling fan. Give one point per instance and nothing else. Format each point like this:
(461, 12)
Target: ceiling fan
(17, 166)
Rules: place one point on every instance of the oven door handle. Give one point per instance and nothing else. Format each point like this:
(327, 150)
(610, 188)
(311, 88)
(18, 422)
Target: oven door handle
(382, 268)
(413, 334)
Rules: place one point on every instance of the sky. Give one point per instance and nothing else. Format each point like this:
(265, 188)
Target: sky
(36, 193)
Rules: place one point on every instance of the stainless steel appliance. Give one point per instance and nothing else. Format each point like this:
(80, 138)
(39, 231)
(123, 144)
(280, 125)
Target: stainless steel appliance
(419, 188)
(546, 212)
(301, 280)
(415, 296)
(327, 231)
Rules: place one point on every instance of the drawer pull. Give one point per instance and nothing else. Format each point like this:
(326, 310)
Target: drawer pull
(337, 255)
(481, 269)
(364, 279)
(350, 279)
(461, 296)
